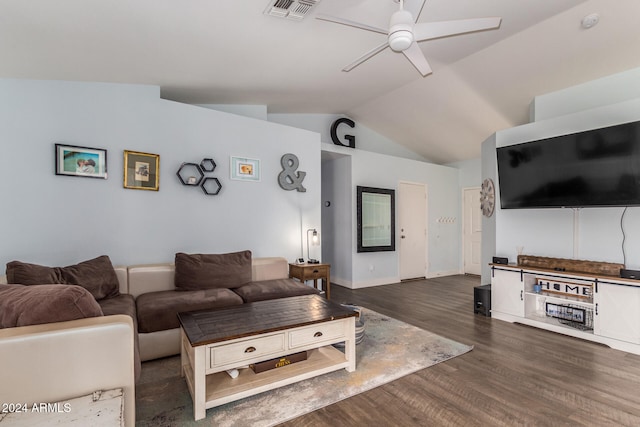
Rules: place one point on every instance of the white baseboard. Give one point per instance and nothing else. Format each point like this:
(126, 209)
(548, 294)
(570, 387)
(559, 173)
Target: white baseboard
(442, 274)
(366, 283)
(385, 280)
(341, 282)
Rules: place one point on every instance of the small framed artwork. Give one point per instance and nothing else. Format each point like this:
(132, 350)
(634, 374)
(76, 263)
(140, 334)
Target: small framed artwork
(86, 162)
(141, 170)
(245, 169)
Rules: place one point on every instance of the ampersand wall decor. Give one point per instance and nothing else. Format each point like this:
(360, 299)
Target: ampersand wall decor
(290, 179)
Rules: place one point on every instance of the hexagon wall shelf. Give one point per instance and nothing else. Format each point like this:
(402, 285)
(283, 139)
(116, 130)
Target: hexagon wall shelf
(193, 174)
(190, 174)
(207, 165)
(211, 186)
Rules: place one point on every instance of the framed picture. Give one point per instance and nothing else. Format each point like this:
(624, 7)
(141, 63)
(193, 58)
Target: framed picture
(87, 162)
(141, 170)
(376, 219)
(245, 169)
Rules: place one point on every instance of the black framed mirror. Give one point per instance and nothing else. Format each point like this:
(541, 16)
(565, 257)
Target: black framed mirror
(376, 219)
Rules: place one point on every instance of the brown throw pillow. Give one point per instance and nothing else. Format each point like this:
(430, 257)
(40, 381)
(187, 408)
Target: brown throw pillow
(208, 271)
(273, 289)
(34, 305)
(96, 275)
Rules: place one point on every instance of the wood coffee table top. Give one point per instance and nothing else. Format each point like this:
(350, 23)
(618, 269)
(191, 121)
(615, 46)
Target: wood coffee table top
(214, 325)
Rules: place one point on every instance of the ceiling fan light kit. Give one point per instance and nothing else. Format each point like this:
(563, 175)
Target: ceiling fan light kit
(404, 33)
(400, 31)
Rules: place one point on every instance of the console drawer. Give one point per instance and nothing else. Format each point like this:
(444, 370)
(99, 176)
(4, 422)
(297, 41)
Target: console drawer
(247, 349)
(316, 333)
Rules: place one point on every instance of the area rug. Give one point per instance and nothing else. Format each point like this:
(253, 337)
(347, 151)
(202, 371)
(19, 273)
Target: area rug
(391, 349)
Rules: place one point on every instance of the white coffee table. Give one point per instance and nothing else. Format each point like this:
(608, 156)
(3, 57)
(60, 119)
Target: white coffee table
(214, 341)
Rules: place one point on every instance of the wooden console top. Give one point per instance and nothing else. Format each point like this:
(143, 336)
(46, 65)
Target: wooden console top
(588, 276)
(214, 325)
(571, 265)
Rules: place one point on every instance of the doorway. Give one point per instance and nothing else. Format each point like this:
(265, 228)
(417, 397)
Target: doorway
(471, 230)
(412, 222)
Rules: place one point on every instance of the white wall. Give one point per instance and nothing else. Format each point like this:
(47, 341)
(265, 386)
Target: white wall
(366, 139)
(254, 111)
(379, 162)
(470, 172)
(550, 232)
(336, 218)
(469, 176)
(59, 220)
(489, 170)
(383, 171)
(608, 90)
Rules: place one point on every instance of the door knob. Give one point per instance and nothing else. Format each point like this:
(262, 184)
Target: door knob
(402, 237)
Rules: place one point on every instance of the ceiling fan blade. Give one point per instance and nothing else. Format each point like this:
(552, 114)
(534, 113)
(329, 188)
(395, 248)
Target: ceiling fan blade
(366, 56)
(414, 7)
(350, 23)
(433, 30)
(415, 55)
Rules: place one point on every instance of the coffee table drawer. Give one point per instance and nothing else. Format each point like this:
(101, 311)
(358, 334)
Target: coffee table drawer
(248, 349)
(316, 333)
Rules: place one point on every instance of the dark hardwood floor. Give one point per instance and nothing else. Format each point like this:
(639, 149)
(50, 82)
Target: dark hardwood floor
(515, 376)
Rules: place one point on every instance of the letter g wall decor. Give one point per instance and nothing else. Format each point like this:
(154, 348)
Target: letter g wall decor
(334, 132)
(290, 179)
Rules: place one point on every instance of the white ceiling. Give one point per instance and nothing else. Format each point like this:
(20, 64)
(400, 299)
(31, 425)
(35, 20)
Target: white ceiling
(230, 52)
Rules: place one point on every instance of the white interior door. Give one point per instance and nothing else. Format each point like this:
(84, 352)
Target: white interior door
(412, 221)
(472, 230)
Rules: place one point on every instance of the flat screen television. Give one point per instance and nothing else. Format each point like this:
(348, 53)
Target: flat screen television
(600, 167)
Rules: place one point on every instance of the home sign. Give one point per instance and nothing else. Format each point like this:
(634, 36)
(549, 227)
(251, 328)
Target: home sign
(566, 288)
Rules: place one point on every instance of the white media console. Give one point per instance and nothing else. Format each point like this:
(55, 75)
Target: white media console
(603, 309)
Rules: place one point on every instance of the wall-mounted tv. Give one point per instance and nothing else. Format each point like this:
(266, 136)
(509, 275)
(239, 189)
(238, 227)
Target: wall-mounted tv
(600, 167)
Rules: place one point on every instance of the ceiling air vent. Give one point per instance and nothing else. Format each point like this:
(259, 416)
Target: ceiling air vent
(290, 9)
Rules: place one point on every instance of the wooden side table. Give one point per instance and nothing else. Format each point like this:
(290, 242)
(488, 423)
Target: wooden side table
(304, 272)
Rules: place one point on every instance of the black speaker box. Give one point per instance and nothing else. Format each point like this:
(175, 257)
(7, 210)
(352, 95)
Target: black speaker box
(482, 300)
(630, 274)
(500, 260)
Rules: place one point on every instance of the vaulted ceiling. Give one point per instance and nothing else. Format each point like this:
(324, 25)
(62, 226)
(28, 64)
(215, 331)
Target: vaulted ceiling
(230, 52)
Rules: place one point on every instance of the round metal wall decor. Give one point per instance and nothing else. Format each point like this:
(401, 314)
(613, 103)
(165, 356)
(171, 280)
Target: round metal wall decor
(487, 197)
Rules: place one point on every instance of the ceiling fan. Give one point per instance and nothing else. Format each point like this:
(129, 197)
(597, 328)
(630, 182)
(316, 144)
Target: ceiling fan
(404, 34)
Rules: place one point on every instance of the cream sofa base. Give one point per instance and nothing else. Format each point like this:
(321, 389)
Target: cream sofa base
(60, 361)
(159, 344)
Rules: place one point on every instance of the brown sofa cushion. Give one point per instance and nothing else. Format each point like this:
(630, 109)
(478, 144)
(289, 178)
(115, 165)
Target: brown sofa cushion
(272, 289)
(208, 271)
(35, 305)
(158, 311)
(96, 275)
(122, 304)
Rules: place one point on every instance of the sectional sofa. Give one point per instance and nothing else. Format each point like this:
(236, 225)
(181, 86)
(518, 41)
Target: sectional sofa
(151, 295)
(196, 282)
